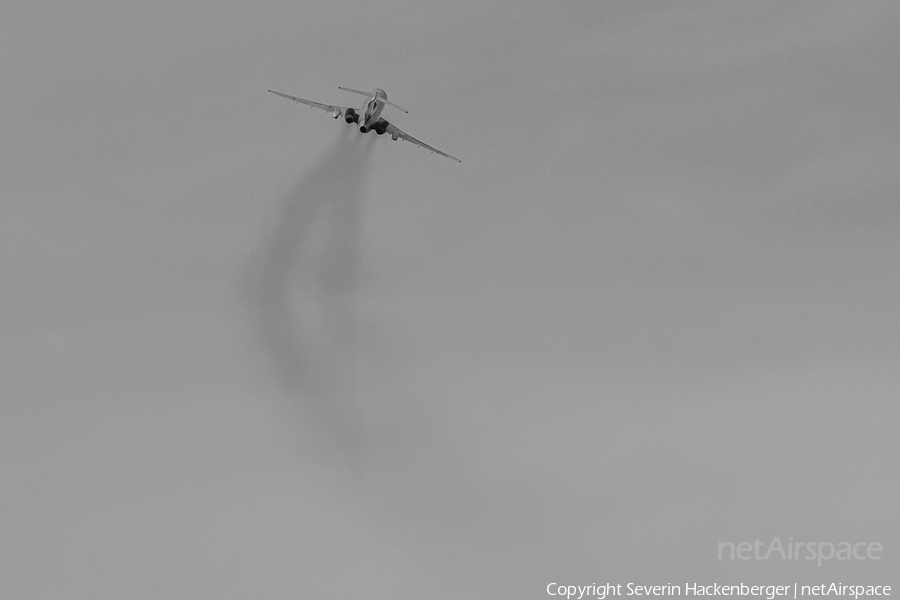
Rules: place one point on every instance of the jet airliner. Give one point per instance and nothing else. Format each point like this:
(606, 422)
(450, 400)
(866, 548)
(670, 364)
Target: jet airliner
(369, 117)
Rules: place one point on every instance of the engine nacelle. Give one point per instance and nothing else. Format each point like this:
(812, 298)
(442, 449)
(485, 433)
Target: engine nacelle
(350, 116)
(379, 127)
(363, 129)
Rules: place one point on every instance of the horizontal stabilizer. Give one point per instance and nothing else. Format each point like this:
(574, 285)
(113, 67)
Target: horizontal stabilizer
(395, 106)
(369, 94)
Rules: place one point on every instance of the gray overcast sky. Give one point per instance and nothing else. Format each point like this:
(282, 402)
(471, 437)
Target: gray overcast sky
(654, 309)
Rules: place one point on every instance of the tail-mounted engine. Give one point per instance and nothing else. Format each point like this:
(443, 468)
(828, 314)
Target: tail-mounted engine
(350, 116)
(379, 126)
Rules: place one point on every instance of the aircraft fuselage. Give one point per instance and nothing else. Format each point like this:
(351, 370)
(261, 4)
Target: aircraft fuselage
(371, 110)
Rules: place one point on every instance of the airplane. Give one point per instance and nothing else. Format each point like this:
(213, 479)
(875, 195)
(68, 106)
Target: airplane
(369, 117)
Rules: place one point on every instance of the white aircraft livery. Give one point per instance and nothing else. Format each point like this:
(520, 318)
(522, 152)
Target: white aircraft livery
(369, 116)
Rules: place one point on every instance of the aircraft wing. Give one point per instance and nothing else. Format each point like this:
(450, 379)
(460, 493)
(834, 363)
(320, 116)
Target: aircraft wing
(396, 134)
(335, 111)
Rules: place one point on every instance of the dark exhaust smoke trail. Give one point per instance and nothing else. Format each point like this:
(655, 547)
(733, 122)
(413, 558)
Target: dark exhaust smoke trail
(305, 290)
